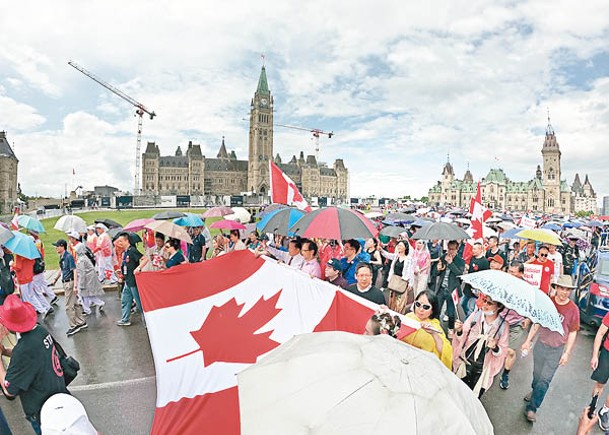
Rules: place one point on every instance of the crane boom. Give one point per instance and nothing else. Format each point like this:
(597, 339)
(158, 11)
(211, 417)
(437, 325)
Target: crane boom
(316, 134)
(113, 89)
(140, 109)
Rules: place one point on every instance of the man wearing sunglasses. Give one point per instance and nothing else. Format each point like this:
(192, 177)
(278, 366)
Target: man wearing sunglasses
(547, 268)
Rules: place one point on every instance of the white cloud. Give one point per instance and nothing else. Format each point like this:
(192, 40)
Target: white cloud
(401, 84)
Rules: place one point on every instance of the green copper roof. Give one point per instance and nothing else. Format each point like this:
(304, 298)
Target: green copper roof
(495, 176)
(564, 187)
(263, 86)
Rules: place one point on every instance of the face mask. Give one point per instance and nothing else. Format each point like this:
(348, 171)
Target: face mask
(488, 313)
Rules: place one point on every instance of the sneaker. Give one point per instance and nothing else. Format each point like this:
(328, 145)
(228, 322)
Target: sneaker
(54, 301)
(531, 416)
(505, 383)
(76, 329)
(83, 325)
(48, 313)
(101, 308)
(445, 318)
(527, 398)
(603, 418)
(123, 323)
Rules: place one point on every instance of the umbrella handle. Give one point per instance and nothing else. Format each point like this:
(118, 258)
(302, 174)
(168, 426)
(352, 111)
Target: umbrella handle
(501, 324)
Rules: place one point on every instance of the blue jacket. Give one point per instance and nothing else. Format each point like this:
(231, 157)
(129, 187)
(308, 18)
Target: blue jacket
(349, 268)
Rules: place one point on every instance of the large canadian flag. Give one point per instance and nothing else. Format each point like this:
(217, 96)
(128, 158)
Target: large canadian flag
(208, 321)
(480, 214)
(284, 190)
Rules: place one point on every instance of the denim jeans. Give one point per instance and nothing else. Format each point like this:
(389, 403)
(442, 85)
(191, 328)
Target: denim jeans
(445, 295)
(129, 294)
(545, 363)
(35, 424)
(4, 428)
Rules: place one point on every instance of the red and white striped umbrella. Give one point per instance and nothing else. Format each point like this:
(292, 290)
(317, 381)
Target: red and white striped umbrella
(334, 223)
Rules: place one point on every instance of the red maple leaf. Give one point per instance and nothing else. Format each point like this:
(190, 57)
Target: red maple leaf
(225, 336)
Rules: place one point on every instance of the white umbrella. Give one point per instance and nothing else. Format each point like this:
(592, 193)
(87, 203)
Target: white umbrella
(341, 383)
(5, 235)
(71, 222)
(170, 230)
(373, 214)
(506, 225)
(518, 295)
(240, 214)
(488, 231)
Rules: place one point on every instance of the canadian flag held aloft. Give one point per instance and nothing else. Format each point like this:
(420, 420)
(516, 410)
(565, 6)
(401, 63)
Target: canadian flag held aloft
(208, 321)
(480, 214)
(284, 190)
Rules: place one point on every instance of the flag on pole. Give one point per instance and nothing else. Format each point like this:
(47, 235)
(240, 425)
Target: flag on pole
(284, 190)
(208, 321)
(15, 220)
(480, 214)
(73, 171)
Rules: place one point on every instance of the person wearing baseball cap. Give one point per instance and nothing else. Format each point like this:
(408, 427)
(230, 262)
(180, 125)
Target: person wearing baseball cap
(34, 373)
(333, 273)
(496, 262)
(67, 266)
(552, 349)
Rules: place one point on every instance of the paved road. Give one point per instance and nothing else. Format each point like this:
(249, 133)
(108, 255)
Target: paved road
(116, 383)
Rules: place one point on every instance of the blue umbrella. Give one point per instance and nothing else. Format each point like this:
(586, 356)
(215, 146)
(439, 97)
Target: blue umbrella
(595, 223)
(269, 209)
(279, 221)
(23, 245)
(30, 223)
(511, 234)
(552, 226)
(190, 220)
(571, 225)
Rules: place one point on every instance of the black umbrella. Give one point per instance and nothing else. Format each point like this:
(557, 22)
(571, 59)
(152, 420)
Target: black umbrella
(402, 218)
(109, 223)
(441, 231)
(114, 232)
(168, 214)
(391, 231)
(133, 237)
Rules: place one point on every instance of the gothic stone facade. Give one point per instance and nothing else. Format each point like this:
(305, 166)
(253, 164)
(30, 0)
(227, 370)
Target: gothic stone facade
(191, 173)
(547, 192)
(8, 176)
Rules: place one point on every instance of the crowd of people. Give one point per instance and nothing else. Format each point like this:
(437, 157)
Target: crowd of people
(473, 335)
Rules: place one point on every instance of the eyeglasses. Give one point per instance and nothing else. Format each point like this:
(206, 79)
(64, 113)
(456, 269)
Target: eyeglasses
(543, 255)
(420, 305)
(488, 302)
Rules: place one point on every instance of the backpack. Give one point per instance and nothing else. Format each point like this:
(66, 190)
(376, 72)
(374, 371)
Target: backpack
(6, 279)
(90, 255)
(38, 265)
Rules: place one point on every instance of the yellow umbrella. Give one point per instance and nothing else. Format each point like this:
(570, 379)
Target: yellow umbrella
(540, 235)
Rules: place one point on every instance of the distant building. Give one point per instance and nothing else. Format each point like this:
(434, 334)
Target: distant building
(605, 205)
(104, 191)
(191, 173)
(8, 176)
(546, 192)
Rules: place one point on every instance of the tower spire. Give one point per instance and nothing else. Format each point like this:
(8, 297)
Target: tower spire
(549, 129)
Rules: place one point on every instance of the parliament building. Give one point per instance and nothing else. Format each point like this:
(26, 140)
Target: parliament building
(547, 192)
(189, 172)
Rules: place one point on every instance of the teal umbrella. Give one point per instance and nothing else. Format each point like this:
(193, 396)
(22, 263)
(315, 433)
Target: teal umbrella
(30, 223)
(23, 245)
(190, 220)
(279, 221)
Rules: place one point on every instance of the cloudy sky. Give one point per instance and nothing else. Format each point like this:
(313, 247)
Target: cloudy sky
(400, 83)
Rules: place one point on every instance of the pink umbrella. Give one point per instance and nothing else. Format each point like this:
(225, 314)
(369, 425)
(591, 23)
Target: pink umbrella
(217, 212)
(228, 225)
(137, 225)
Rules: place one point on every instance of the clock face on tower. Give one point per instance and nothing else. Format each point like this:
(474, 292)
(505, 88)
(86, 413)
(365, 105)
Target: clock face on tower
(263, 102)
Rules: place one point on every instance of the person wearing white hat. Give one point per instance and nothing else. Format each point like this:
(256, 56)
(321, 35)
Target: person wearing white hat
(103, 255)
(63, 414)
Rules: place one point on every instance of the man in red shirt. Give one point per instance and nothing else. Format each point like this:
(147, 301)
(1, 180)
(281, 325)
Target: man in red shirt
(547, 268)
(552, 349)
(24, 270)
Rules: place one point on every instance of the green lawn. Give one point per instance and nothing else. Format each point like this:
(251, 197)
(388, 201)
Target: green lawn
(123, 217)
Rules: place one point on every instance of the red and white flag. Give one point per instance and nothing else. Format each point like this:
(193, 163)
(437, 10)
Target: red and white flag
(15, 220)
(284, 190)
(480, 214)
(208, 321)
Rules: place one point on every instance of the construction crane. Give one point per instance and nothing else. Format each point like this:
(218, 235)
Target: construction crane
(140, 109)
(316, 134)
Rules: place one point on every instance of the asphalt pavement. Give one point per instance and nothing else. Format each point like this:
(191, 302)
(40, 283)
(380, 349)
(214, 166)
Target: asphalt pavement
(116, 382)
